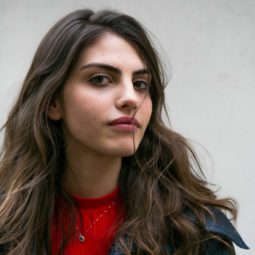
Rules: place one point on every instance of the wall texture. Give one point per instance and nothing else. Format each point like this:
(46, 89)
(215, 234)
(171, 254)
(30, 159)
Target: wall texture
(209, 52)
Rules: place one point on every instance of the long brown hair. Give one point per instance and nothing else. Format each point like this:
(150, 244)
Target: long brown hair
(162, 186)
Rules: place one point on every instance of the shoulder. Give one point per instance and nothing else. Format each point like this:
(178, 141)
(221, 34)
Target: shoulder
(220, 225)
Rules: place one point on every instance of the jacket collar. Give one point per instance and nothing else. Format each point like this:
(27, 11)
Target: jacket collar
(219, 224)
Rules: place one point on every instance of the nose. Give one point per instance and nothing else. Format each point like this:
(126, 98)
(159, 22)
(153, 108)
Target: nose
(128, 98)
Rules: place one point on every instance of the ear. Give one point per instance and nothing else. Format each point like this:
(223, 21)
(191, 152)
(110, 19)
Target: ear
(54, 111)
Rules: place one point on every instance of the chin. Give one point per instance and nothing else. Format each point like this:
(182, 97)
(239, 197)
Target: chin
(128, 154)
(124, 152)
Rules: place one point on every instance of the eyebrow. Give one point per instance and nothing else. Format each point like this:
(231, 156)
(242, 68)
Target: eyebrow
(112, 68)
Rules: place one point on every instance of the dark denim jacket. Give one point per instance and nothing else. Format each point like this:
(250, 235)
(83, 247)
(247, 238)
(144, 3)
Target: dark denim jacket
(222, 226)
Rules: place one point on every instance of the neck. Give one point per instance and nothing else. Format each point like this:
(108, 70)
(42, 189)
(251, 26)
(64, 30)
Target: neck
(89, 175)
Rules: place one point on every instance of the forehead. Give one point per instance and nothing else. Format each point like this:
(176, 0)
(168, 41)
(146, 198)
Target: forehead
(112, 49)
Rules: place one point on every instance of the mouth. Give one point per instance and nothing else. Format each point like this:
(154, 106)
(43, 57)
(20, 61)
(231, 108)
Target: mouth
(125, 123)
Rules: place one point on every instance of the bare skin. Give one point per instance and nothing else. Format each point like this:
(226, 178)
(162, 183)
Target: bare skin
(106, 85)
(100, 177)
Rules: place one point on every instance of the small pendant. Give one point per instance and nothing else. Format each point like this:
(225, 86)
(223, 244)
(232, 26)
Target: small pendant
(81, 238)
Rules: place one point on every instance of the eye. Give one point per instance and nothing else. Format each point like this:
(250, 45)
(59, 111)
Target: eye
(141, 84)
(99, 80)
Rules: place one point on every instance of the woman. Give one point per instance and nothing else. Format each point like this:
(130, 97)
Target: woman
(89, 167)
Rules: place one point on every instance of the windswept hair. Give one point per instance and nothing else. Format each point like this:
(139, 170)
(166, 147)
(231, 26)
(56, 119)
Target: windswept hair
(166, 196)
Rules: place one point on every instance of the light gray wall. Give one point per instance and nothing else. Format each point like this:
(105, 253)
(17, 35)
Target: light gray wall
(209, 48)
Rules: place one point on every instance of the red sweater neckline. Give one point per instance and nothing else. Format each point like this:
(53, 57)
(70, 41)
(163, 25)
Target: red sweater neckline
(99, 231)
(85, 203)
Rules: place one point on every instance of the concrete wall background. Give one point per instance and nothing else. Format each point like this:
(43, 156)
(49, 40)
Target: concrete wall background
(208, 46)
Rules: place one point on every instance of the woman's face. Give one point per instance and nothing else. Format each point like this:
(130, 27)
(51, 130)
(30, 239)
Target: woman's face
(105, 105)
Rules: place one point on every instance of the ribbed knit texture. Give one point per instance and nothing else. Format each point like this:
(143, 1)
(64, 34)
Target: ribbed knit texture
(100, 219)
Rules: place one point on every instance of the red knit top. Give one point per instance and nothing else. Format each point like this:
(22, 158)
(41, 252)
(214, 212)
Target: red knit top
(93, 231)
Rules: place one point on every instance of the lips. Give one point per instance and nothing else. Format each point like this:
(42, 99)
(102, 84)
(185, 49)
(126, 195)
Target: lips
(125, 123)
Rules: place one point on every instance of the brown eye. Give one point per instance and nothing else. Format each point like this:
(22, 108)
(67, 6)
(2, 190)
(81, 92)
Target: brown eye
(141, 84)
(100, 80)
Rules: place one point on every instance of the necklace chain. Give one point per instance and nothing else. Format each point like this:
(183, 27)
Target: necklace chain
(81, 236)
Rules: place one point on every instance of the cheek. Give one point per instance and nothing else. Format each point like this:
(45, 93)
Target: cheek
(147, 110)
(78, 113)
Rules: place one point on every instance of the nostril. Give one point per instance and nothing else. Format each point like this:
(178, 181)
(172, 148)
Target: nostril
(127, 102)
(129, 105)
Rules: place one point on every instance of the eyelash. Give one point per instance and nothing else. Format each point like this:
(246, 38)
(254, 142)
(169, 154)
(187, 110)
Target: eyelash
(93, 80)
(100, 83)
(145, 84)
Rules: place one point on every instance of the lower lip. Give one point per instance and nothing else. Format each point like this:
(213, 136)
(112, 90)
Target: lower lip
(125, 127)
